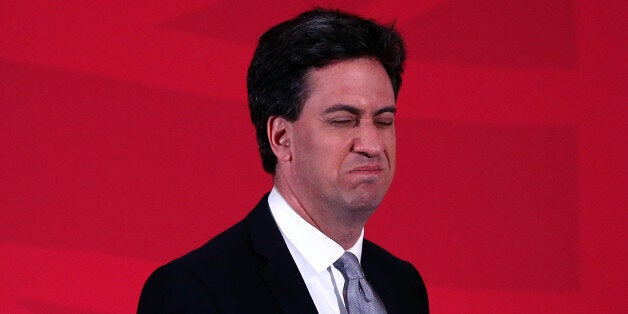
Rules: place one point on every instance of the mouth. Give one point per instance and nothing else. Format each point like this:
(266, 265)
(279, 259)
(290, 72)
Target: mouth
(374, 169)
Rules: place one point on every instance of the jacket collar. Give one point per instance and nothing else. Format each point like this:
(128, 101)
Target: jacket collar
(378, 279)
(280, 272)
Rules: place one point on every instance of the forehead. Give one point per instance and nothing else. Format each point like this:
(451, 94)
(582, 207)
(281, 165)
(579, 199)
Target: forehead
(358, 82)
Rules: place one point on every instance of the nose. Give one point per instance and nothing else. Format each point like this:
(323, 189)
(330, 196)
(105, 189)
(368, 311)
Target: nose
(369, 140)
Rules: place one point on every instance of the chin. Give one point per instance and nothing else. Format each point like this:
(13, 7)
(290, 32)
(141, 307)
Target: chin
(365, 203)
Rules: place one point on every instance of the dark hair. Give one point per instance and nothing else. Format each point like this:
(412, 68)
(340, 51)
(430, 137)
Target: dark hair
(276, 81)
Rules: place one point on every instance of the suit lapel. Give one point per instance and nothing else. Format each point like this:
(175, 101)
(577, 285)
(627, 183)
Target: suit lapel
(378, 279)
(280, 273)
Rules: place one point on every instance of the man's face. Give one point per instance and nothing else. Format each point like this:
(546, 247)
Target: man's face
(344, 139)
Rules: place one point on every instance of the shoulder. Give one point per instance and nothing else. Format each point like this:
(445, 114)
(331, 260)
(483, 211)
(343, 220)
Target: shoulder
(224, 258)
(230, 246)
(197, 280)
(229, 254)
(221, 273)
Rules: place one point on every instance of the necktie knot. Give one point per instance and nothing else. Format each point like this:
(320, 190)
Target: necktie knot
(349, 266)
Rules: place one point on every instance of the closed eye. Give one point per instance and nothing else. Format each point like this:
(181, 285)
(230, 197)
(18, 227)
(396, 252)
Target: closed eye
(342, 121)
(384, 122)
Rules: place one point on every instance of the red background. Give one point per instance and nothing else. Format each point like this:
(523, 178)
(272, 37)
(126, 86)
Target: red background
(125, 142)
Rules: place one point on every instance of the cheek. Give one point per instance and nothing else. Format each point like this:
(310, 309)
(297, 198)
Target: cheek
(315, 152)
(323, 150)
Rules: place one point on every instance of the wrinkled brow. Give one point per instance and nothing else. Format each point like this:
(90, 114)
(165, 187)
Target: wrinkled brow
(356, 111)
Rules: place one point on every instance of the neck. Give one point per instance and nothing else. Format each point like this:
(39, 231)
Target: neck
(342, 226)
(343, 233)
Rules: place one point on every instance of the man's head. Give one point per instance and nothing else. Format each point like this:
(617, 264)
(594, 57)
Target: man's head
(322, 93)
(288, 53)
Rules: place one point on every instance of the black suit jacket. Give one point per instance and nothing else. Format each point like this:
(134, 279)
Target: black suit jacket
(248, 269)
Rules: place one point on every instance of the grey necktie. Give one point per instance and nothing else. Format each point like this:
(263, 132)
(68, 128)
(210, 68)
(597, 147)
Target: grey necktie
(358, 293)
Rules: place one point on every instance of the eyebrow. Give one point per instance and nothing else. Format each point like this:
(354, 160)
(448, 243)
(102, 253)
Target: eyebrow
(392, 109)
(356, 111)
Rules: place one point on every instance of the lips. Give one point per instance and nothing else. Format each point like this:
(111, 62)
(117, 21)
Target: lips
(367, 169)
(369, 174)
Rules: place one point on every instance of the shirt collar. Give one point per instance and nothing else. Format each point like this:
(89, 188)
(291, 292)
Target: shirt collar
(319, 250)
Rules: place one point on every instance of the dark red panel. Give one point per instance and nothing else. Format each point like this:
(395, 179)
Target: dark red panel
(109, 160)
(257, 16)
(512, 33)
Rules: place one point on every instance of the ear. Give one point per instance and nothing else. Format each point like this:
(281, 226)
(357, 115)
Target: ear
(277, 129)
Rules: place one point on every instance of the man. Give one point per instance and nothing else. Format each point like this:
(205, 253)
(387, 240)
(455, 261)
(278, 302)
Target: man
(322, 92)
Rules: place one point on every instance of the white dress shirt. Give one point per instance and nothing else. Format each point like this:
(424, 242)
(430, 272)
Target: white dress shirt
(314, 253)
